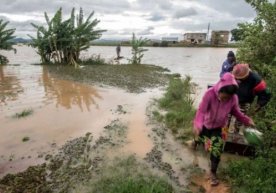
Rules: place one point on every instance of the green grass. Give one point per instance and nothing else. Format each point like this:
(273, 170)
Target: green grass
(24, 113)
(178, 104)
(133, 78)
(25, 139)
(92, 60)
(127, 176)
(253, 176)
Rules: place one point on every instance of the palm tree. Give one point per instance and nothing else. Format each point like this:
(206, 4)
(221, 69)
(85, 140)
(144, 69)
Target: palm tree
(62, 41)
(6, 35)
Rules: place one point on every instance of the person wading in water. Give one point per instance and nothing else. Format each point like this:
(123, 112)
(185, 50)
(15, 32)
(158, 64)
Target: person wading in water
(118, 51)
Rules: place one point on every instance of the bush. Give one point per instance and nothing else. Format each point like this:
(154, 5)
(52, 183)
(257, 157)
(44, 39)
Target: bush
(178, 103)
(94, 59)
(258, 48)
(253, 176)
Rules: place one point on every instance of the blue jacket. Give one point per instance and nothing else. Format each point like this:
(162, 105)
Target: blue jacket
(226, 67)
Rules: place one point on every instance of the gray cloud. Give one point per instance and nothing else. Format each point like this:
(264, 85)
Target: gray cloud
(25, 6)
(165, 16)
(146, 32)
(184, 12)
(155, 4)
(157, 16)
(237, 8)
(21, 26)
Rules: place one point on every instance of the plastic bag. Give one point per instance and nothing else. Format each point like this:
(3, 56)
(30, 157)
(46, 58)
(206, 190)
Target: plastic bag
(253, 136)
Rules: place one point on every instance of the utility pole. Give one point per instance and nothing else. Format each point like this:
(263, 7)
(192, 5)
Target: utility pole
(208, 30)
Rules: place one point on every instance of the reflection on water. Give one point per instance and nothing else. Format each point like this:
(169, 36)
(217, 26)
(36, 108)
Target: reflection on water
(25, 85)
(65, 109)
(67, 93)
(62, 110)
(9, 87)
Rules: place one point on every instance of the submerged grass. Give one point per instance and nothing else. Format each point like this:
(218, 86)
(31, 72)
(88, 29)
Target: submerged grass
(178, 104)
(82, 166)
(126, 175)
(25, 139)
(24, 113)
(133, 78)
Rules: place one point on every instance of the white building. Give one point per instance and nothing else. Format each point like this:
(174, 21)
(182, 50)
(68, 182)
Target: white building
(170, 39)
(195, 38)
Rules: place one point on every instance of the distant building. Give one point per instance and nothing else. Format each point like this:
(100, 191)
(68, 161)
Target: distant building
(170, 39)
(195, 38)
(220, 37)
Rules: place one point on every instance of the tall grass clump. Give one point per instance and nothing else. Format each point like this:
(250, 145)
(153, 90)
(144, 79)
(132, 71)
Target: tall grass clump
(125, 176)
(178, 104)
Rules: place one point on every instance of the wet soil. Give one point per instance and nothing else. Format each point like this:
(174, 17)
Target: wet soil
(116, 123)
(133, 78)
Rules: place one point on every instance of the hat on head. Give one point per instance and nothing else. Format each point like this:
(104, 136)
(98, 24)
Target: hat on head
(241, 71)
(230, 54)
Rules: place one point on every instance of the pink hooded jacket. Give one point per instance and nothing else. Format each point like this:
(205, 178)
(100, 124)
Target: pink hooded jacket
(213, 113)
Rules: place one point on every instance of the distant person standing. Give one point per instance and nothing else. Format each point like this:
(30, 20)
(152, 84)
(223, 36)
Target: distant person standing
(118, 51)
(228, 64)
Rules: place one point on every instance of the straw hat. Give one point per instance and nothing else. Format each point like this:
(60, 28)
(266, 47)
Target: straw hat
(241, 71)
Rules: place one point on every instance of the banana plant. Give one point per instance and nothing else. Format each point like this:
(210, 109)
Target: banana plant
(6, 35)
(137, 49)
(63, 40)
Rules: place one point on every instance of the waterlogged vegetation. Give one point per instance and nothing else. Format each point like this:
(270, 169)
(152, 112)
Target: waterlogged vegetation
(133, 78)
(257, 47)
(83, 166)
(23, 114)
(178, 104)
(25, 139)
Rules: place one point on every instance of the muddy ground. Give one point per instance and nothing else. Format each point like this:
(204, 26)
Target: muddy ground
(131, 131)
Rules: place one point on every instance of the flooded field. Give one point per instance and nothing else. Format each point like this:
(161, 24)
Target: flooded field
(62, 110)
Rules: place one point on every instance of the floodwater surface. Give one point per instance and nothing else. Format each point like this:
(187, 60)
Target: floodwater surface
(63, 110)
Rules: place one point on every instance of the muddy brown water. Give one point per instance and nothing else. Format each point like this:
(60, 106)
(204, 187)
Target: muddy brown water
(63, 109)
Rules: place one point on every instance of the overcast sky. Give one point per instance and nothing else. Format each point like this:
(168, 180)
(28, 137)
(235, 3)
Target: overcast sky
(148, 18)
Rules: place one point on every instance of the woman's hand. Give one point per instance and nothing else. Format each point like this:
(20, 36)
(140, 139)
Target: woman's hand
(197, 131)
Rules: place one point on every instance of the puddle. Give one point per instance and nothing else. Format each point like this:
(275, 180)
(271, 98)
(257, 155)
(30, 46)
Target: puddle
(62, 110)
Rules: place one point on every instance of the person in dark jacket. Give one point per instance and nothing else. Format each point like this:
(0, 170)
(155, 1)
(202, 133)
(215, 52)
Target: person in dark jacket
(228, 64)
(251, 85)
(118, 51)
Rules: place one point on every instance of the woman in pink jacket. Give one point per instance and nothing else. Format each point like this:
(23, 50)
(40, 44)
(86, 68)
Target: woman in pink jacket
(212, 116)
